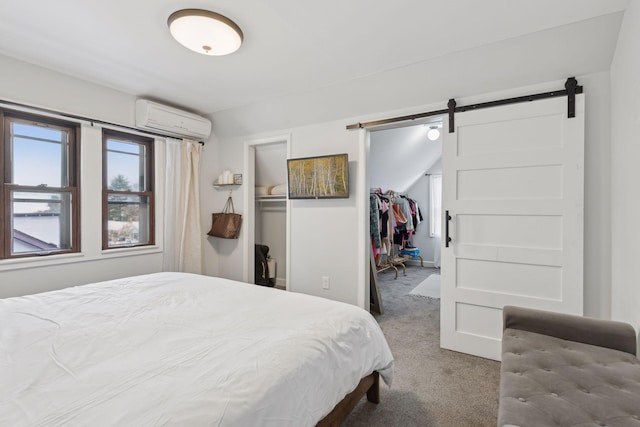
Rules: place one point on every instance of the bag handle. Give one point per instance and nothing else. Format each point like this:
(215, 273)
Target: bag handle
(229, 205)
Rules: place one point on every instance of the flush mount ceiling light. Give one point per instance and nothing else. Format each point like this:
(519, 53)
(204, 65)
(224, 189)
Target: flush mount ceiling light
(433, 133)
(205, 32)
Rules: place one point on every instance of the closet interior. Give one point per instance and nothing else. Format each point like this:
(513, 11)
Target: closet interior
(405, 171)
(394, 218)
(271, 209)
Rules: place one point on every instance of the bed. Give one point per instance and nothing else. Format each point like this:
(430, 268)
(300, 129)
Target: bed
(184, 349)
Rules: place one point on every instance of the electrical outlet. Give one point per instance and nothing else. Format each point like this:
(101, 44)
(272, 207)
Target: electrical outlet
(325, 282)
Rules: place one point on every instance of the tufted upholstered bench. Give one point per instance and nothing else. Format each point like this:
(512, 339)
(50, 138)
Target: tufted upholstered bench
(563, 370)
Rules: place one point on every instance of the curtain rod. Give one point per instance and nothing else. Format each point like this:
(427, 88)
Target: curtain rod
(87, 119)
(571, 89)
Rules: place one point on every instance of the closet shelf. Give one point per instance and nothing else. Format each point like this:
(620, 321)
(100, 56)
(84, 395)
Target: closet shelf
(272, 198)
(227, 179)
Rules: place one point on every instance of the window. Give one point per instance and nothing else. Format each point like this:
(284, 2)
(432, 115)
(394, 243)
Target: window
(435, 217)
(127, 204)
(39, 166)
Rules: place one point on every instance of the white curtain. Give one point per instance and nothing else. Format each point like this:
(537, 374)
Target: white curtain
(435, 215)
(182, 233)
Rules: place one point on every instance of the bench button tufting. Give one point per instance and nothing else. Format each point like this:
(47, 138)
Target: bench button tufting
(522, 399)
(554, 395)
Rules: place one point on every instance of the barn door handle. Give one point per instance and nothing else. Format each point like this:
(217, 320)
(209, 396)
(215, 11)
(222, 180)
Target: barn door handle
(447, 218)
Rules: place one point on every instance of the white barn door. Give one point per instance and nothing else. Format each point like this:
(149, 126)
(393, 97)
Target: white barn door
(513, 183)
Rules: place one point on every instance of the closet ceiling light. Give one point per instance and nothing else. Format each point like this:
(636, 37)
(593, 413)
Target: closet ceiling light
(433, 133)
(205, 32)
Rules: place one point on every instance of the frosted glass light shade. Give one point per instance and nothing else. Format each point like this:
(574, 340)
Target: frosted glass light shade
(433, 133)
(205, 32)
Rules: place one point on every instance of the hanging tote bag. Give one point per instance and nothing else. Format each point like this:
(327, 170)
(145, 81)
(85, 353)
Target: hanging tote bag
(226, 224)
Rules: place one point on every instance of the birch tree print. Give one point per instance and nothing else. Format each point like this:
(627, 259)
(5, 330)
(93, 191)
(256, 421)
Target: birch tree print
(319, 177)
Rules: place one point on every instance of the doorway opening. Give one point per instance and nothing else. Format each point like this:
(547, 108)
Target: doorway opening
(513, 200)
(405, 198)
(267, 211)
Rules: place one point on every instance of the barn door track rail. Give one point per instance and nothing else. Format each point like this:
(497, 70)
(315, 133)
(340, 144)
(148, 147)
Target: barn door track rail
(571, 88)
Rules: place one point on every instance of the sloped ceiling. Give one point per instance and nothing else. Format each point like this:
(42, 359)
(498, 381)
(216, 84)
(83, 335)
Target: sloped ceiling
(554, 54)
(306, 61)
(400, 156)
(271, 164)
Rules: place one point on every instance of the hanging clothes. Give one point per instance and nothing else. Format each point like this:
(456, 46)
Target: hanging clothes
(385, 219)
(393, 219)
(416, 214)
(398, 214)
(403, 205)
(374, 220)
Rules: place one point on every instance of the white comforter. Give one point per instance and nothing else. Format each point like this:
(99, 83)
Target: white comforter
(181, 349)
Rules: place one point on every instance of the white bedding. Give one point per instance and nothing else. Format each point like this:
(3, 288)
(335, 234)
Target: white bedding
(181, 349)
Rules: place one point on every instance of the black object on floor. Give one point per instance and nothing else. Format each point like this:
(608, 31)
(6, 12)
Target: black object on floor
(262, 267)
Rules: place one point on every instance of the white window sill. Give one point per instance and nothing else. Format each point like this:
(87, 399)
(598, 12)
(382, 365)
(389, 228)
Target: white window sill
(76, 257)
(37, 261)
(134, 250)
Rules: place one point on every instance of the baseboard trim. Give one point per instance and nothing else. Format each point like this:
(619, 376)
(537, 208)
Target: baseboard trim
(281, 283)
(416, 262)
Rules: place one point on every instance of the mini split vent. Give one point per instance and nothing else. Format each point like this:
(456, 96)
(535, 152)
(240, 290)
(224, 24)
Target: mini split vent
(171, 121)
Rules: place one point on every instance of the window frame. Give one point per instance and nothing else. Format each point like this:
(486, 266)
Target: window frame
(8, 187)
(435, 206)
(149, 190)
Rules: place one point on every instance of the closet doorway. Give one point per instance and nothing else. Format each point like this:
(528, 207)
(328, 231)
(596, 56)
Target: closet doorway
(405, 195)
(267, 216)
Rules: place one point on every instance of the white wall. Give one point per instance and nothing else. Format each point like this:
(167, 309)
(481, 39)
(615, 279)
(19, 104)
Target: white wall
(597, 196)
(271, 164)
(400, 156)
(324, 238)
(323, 232)
(420, 192)
(29, 84)
(625, 173)
(222, 257)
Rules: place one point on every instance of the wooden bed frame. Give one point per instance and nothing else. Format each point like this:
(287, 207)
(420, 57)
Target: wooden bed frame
(369, 384)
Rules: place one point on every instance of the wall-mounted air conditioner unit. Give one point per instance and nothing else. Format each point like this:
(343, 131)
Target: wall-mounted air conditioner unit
(171, 121)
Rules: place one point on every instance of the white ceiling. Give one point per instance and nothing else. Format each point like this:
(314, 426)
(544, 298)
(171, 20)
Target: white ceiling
(400, 156)
(296, 48)
(271, 164)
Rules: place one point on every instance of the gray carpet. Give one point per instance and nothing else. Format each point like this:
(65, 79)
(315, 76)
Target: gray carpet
(431, 386)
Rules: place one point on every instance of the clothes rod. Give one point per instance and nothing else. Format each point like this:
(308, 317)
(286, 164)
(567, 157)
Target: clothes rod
(87, 119)
(571, 89)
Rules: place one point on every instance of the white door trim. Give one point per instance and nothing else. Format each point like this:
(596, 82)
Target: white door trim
(249, 238)
(362, 203)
